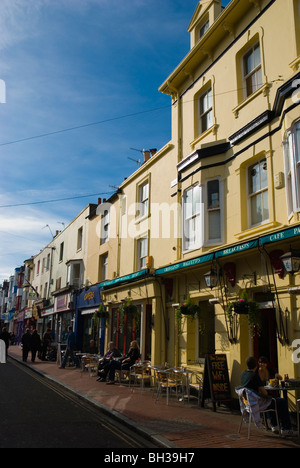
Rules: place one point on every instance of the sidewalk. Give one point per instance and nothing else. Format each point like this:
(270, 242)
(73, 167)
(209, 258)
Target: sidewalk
(179, 425)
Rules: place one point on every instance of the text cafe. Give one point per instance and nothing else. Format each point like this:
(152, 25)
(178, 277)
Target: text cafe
(90, 332)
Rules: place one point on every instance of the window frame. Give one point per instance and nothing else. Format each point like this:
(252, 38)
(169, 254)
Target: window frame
(219, 208)
(253, 73)
(207, 115)
(291, 150)
(196, 217)
(258, 193)
(143, 202)
(141, 260)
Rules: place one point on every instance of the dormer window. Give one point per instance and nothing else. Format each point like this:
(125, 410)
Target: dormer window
(203, 28)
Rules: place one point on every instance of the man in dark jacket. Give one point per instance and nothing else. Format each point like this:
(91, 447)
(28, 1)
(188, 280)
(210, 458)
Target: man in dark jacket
(35, 345)
(70, 351)
(26, 342)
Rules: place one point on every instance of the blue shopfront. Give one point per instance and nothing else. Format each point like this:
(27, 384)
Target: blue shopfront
(89, 330)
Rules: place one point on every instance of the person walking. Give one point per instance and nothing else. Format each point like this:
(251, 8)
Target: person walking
(35, 345)
(26, 342)
(70, 351)
(46, 343)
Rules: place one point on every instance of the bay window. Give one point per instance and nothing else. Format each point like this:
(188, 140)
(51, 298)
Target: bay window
(192, 214)
(291, 148)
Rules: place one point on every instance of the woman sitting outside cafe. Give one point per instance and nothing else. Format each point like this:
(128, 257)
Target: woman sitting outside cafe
(124, 364)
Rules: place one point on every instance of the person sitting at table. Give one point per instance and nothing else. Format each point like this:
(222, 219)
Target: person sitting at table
(124, 364)
(103, 367)
(265, 372)
(251, 380)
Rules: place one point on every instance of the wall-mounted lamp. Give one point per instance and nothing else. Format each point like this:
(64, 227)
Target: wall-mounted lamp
(291, 261)
(211, 279)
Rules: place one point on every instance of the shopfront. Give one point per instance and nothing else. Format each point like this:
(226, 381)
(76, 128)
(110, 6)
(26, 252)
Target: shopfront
(135, 313)
(89, 328)
(64, 315)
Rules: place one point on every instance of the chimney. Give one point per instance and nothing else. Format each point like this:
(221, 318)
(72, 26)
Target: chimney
(146, 155)
(153, 152)
(99, 201)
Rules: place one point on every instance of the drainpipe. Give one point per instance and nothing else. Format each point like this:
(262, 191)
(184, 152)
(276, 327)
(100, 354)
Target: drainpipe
(176, 97)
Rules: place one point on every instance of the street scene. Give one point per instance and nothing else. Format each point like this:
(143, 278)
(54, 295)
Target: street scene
(150, 225)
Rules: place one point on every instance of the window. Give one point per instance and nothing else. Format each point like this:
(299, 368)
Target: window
(192, 230)
(104, 267)
(48, 262)
(214, 231)
(142, 253)
(292, 168)
(143, 199)
(61, 252)
(79, 238)
(258, 193)
(38, 267)
(252, 71)
(105, 227)
(206, 111)
(74, 274)
(203, 28)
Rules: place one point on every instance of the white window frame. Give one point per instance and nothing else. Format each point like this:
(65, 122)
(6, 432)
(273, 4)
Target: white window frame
(143, 199)
(213, 207)
(104, 267)
(206, 118)
(255, 73)
(142, 252)
(291, 148)
(105, 224)
(193, 222)
(259, 193)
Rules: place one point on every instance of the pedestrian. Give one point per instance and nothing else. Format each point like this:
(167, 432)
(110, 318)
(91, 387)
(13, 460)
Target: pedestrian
(46, 343)
(5, 336)
(35, 345)
(26, 342)
(70, 351)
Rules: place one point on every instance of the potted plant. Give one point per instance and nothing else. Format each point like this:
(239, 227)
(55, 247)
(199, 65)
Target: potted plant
(245, 307)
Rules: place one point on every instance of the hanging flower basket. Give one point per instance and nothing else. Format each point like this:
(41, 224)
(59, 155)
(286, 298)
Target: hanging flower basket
(189, 309)
(244, 307)
(102, 313)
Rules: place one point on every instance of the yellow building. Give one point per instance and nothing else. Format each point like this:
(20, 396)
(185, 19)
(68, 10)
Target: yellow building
(223, 197)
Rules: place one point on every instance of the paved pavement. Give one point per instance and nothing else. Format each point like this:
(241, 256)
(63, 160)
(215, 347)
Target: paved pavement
(180, 425)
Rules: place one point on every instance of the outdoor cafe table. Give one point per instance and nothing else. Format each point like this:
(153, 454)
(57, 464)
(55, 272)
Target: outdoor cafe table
(284, 390)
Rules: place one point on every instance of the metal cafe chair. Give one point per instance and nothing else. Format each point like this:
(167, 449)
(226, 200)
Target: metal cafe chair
(247, 405)
(167, 380)
(140, 372)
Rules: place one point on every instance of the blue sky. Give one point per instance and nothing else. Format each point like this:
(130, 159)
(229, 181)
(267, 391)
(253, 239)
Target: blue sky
(66, 64)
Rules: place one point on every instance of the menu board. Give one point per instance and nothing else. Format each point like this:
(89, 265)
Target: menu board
(216, 385)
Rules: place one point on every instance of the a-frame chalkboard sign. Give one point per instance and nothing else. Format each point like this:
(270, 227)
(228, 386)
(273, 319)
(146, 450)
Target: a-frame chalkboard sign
(216, 384)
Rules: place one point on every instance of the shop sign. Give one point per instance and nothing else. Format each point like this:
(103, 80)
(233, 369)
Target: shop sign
(28, 313)
(279, 236)
(186, 264)
(89, 297)
(237, 249)
(123, 279)
(62, 303)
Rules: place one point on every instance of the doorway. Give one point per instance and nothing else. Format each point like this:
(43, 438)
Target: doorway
(265, 344)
